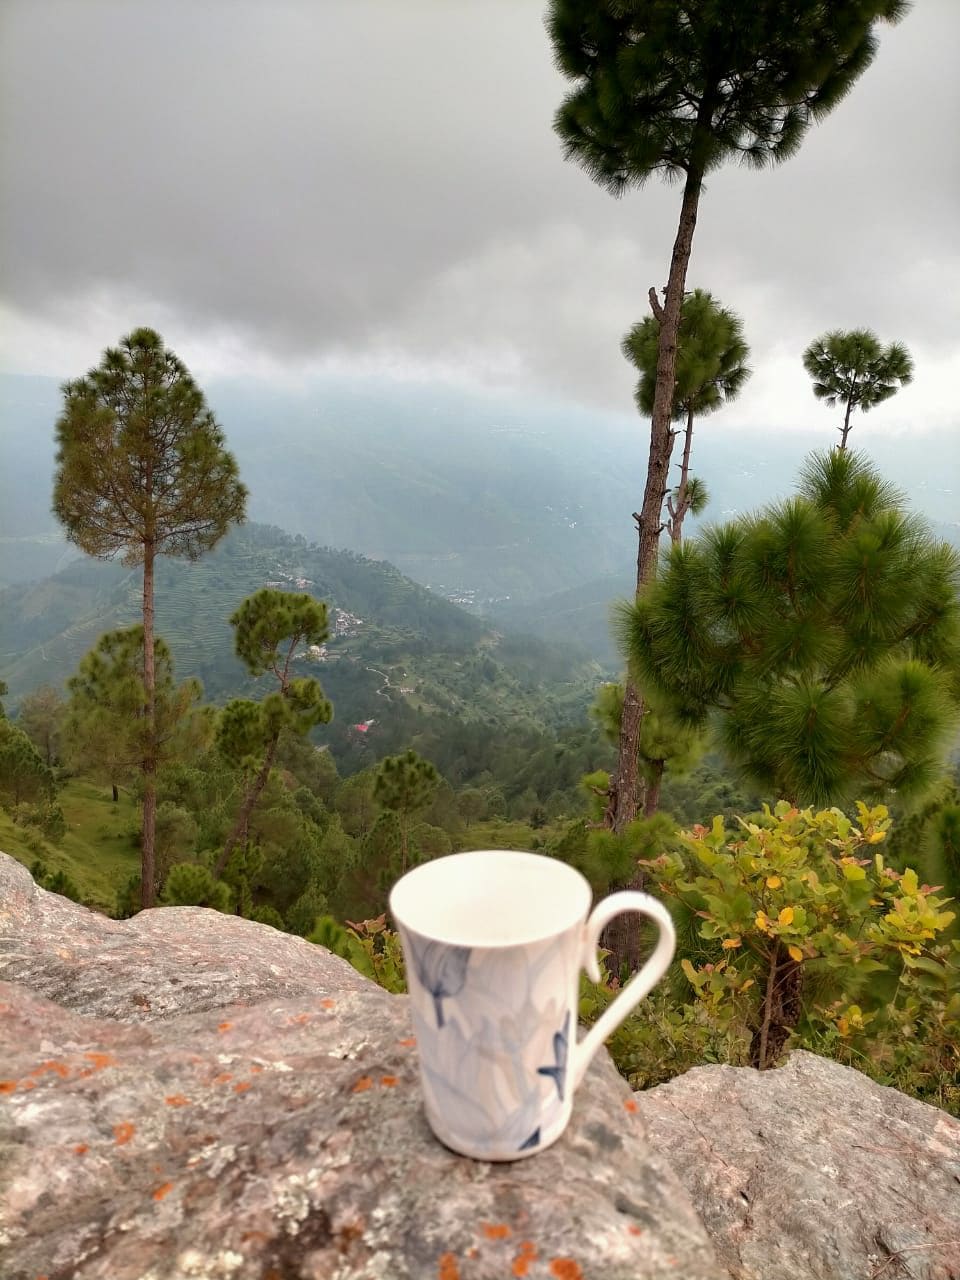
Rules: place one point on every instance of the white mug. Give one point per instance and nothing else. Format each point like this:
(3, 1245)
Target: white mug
(494, 943)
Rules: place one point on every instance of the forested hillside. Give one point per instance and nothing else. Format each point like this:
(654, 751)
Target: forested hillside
(397, 652)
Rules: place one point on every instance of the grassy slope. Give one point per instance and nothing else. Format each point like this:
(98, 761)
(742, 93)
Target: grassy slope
(98, 852)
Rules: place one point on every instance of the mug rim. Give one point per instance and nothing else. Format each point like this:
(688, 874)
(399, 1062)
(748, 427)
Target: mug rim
(576, 883)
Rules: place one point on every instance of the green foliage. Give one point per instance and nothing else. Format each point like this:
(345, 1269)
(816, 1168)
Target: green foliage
(711, 357)
(852, 369)
(660, 90)
(40, 717)
(141, 462)
(47, 817)
(266, 915)
(23, 775)
(665, 739)
(104, 731)
(404, 785)
(306, 911)
(941, 854)
(249, 733)
(808, 923)
(822, 636)
(177, 837)
(189, 884)
(373, 950)
(54, 881)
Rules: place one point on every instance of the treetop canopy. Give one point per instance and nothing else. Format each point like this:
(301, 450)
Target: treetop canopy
(675, 86)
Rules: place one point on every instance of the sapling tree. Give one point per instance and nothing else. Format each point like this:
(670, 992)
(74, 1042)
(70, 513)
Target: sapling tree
(104, 730)
(142, 471)
(676, 88)
(852, 369)
(270, 626)
(24, 777)
(405, 785)
(800, 893)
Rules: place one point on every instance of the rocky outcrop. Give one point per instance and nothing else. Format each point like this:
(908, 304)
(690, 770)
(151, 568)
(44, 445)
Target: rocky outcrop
(813, 1172)
(185, 1094)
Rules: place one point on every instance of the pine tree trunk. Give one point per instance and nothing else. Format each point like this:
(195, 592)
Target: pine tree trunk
(676, 524)
(148, 848)
(846, 425)
(780, 1011)
(116, 793)
(241, 826)
(622, 935)
(625, 798)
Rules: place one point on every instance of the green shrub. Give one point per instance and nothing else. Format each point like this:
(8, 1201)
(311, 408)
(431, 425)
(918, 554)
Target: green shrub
(189, 884)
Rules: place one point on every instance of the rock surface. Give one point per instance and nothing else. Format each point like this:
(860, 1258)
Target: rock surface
(813, 1171)
(190, 1095)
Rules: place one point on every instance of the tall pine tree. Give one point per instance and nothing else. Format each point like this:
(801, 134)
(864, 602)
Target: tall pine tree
(676, 88)
(142, 471)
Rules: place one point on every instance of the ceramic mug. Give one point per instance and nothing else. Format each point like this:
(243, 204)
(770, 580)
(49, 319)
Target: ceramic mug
(494, 943)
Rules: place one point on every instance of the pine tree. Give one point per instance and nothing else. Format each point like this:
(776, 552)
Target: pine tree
(270, 627)
(142, 471)
(105, 732)
(853, 369)
(405, 785)
(40, 717)
(711, 370)
(820, 636)
(677, 89)
(23, 775)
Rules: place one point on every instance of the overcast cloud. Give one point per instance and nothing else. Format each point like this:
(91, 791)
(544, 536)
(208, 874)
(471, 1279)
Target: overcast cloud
(375, 185)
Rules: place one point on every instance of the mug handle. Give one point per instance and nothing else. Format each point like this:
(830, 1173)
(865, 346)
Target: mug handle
(639, 985)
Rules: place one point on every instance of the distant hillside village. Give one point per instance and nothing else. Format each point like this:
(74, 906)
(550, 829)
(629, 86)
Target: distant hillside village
(344, 622)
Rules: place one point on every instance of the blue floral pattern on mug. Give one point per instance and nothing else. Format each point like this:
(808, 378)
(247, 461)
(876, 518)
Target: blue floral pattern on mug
(558, 1072)
(494, 1033)
(441, 969)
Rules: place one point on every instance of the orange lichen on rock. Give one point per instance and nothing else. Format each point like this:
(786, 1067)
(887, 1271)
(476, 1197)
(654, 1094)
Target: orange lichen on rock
(58, 1068)
(630, 1106)
(123, 1132)
(565, 1269)
(388, 1082)
(222, 1078)
(364, 1083)
(299, 1019)
(526, 1257)
(328, 1004)
(634, 1230)
(163, 1190)
(448, 1269)
(224, 1026)
(80, 1149)
(496, 1230)
(241, 1086)
(177, 1100)
(408, 1043)
(100, 1060)
(8, 1086)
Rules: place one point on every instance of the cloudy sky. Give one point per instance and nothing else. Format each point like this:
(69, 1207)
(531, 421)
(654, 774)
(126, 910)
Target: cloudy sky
(374, 186)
